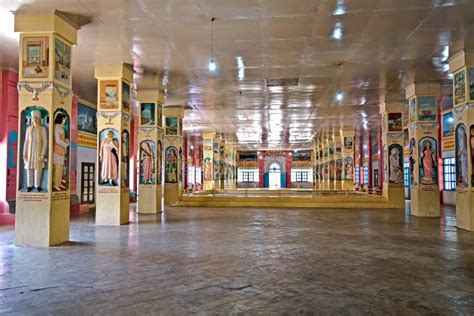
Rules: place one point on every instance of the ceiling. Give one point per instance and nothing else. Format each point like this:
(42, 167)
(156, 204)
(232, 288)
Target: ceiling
(359, 48)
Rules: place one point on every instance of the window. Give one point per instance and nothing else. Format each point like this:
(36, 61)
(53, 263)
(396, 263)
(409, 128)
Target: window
(87, 183)
(449, 172)
(366, 175)
(406, 174)
(302, 175)
(357, 175)
(247, 176)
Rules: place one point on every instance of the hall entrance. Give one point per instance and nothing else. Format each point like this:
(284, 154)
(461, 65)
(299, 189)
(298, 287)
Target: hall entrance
(274, 176)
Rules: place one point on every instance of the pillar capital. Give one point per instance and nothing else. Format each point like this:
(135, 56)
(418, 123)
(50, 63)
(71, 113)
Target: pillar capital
(422, 89)
(461, 65)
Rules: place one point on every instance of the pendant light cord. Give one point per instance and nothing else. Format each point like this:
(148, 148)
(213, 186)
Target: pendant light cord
(212, 37)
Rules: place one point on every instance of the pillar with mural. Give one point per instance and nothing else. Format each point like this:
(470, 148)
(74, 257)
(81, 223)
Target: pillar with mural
(208, 161)
(331, 162)
(173, 144)
(113, 144)
(461, 65)
(392, 141)
(44, 128)
(337, 161)
(423, 143)
(347, 144)
(217, 146)
(325, 164)
(150, 151)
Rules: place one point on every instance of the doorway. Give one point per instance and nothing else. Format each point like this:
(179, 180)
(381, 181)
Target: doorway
(274, 176)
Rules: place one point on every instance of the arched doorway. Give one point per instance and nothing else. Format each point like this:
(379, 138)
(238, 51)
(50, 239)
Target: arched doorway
(274, 176)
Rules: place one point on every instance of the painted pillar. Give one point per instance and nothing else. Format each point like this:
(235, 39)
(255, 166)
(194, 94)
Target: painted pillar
(337, 161)
(361, 162)
(381, 163)
(392, 140)
(75, 200)
(173, 140)
(423, 147)
(462, 66)
(150, 148)
(217, 161)
(289, 160)
(347, 143)
(208, 161)
(316, 165)
(45, 105)
(370, 185)
(113, 144)
(325, 165)
(8, 145)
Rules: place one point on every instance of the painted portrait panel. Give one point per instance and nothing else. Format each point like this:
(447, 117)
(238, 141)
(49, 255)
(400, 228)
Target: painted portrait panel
(35, 61)
(125, 96)
(339, 169)
(147, 114)
(159, 114)
(159, 162)
(412, 160)
(348, 142)
(427, 149)
(108, 95)
(171, 165)
(147, 162)
(460, 87)
(461, 156)
(448, 124)
(86, 119)
(471, 84)
(34, 134)
(395, 164)
(62, 61)
(125, 159)
(412, 110)
(395, 123)
(109, 157)
(61, 152)
(172, 126)
(348, 168)
(207, 169)
(427, 111)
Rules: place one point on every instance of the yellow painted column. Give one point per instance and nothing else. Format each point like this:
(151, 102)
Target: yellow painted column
(150, 148)
(392, 140)
(338, 163)
(173, 164)
(208, 161)
(217, 161)
(423, 147)
(347, 144)
(331, 162)
(319, 164)
(44, 104)
(113, 144)
(325, 165)
(461, 65)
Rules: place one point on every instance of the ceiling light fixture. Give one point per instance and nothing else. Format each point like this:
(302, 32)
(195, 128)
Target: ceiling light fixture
(212, 64)
(340, 8)
(339, 96)
(337, 32)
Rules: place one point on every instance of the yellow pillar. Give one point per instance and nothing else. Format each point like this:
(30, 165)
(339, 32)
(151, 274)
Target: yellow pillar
(331, 162)
(423, 143)
(208, 161)
(461, 65)
(347, 144)
(217, 161)
(392, 140)
(113, 144)
(325, 165)
(44, 103)
(150, 148)
(173, 165)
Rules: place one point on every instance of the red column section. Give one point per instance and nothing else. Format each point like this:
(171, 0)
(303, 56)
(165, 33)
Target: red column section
(371, 181)
(361, 161)
(381, 162)
(289, 159)
(184, 167)
(440, 158)
(133, 155)
(75, 201)
(261, 169)
(8, 144)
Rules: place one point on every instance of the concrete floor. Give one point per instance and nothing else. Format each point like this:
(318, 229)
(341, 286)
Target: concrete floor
(259, 261)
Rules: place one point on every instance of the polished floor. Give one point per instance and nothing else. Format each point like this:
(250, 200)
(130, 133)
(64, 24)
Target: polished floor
(254, 261)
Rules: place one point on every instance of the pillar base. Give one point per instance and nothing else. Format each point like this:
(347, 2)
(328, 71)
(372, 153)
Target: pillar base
(171, 194)
(150, 199)
(348, 185)
(465, 209)
(425, 201)
(395, 195)
(113, 211)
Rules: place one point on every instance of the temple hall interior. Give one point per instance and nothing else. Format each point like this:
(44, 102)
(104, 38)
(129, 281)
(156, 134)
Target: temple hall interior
(218, 157)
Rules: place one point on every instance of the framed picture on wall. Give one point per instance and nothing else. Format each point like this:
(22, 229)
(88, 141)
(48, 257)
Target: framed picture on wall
(35, 61)
(62, 61)
(460, 87)
(109, 94)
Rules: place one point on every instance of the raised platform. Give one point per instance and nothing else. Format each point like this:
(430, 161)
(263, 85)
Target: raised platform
(302, 198)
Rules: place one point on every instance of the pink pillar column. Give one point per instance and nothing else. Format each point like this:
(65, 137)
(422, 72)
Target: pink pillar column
(369, 164)
(261, 169)
(361, 162)
(8, 145)
(289, 159)
(75, 202)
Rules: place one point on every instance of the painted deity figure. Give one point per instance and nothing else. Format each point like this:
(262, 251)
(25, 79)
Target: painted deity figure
(208, 170)
(147, 162)
(428, 161)
(125, 159)
(108, 156)
(61, 143)
(348, 169)
(172, 167)
(396, 173)
(461, 152)
(34, 151)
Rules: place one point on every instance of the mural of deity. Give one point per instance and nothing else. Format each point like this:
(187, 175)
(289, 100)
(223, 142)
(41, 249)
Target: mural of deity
(412, 160)
(348, 168)
(125, 161)
(395, 164)
(159, 162)
(108, 157)
(461, 156)
(339, 169)
(147, 159)
(427, 147)
(60, 152)
(171, 173)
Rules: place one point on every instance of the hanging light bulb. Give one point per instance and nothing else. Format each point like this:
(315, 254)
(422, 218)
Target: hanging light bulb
(212, 65)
